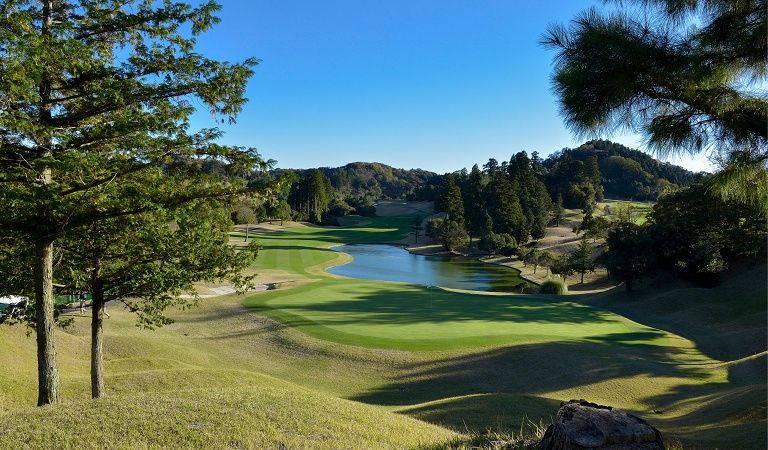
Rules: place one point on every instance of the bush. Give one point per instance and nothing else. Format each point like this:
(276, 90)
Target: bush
(339, 207)
(329, 220)
(498, 243)
(454, 237)
(366, 210)
(433, 228)
(553, 286)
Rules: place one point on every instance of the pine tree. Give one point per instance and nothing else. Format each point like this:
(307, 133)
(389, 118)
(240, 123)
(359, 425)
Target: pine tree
(96, 94)
(142, 258)
(504, 207)
(532, 193)
(689, 75)
(581, 260)
(474, 202)
(629, 256)
(557, 210)
(451, 200)
(592, 173)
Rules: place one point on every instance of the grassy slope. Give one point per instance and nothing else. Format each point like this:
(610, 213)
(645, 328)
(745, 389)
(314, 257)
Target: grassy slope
(217, 356)
(197, 383)
(535, 351)
(265, 415)
(728, 324)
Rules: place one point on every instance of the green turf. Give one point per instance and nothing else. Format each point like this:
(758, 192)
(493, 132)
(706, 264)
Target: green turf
(614, 359)
(270, 414)
(638, 211)
(685, 358)
(407, 317)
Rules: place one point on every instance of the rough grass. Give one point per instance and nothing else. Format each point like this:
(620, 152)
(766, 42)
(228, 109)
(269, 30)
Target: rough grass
(553, 286)
(531, 352)
(268, 414)
(687, 359)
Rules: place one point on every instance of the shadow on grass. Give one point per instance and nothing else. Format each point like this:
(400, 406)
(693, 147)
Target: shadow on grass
(529, 369)
(361, 305)
(496, 412)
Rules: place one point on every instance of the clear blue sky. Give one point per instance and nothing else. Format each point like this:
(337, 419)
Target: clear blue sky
(438, 85)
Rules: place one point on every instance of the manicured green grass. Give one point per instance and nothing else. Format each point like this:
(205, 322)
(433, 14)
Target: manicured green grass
(636, 210)
(406, 317)
(549, 349)
(228, 375)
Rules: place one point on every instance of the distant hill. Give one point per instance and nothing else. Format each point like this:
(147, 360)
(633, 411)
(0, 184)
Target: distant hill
(380, 181)
(628, 173)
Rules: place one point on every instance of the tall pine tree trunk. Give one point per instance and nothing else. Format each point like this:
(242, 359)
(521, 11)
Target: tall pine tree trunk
(47, 373)
(97, 333)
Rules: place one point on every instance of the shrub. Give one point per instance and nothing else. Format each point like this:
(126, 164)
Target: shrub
(339, 207)
(498, 243)
(553, 286)
(454, 237)
(366, 210)
(433, 227)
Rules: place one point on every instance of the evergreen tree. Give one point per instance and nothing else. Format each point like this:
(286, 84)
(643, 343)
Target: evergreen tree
(142, 258)
(453, 236)
(310, 196)
(581, 260)
(570, 178)
(96, 95)
(533, 195)
(537, 166)
(491, 167)
(541, 207)
(592, 173)
(504, 207)
(689, 75)
(557, 210)
(451, 200)
(629, 256)
(318, 195)
(474, 202)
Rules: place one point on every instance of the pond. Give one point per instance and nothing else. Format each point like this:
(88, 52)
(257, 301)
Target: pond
(393, 263)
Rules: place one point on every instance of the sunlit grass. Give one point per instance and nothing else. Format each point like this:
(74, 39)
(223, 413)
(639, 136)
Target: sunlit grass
(225, 374)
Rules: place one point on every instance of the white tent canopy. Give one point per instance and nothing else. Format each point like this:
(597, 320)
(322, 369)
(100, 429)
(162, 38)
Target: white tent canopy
(12, 299)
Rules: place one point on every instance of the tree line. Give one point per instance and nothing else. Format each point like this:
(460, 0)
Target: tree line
(508, 203)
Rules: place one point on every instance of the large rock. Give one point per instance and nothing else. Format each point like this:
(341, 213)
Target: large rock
(580, 424)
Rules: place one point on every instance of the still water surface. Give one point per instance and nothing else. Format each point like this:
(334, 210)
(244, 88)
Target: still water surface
(393, 263)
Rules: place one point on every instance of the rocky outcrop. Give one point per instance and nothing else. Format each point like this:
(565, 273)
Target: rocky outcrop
(583, 425)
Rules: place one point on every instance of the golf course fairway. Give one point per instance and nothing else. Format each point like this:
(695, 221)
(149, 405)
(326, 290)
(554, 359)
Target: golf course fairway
(330, 362)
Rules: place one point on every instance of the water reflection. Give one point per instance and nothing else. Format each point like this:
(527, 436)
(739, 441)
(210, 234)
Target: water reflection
(393, 263)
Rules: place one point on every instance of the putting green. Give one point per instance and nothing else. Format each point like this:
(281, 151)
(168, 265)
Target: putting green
(407, 317)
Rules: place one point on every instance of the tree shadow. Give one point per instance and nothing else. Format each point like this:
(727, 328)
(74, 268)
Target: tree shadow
(531, 369)
(480, 413)
(411, 305)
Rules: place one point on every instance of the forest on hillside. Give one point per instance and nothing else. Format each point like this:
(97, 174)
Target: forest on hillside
(508, 206)
(625, 173)
(614, 171)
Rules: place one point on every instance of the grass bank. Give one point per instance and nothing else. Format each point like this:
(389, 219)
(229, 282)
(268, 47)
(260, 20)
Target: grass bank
(331, 362)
